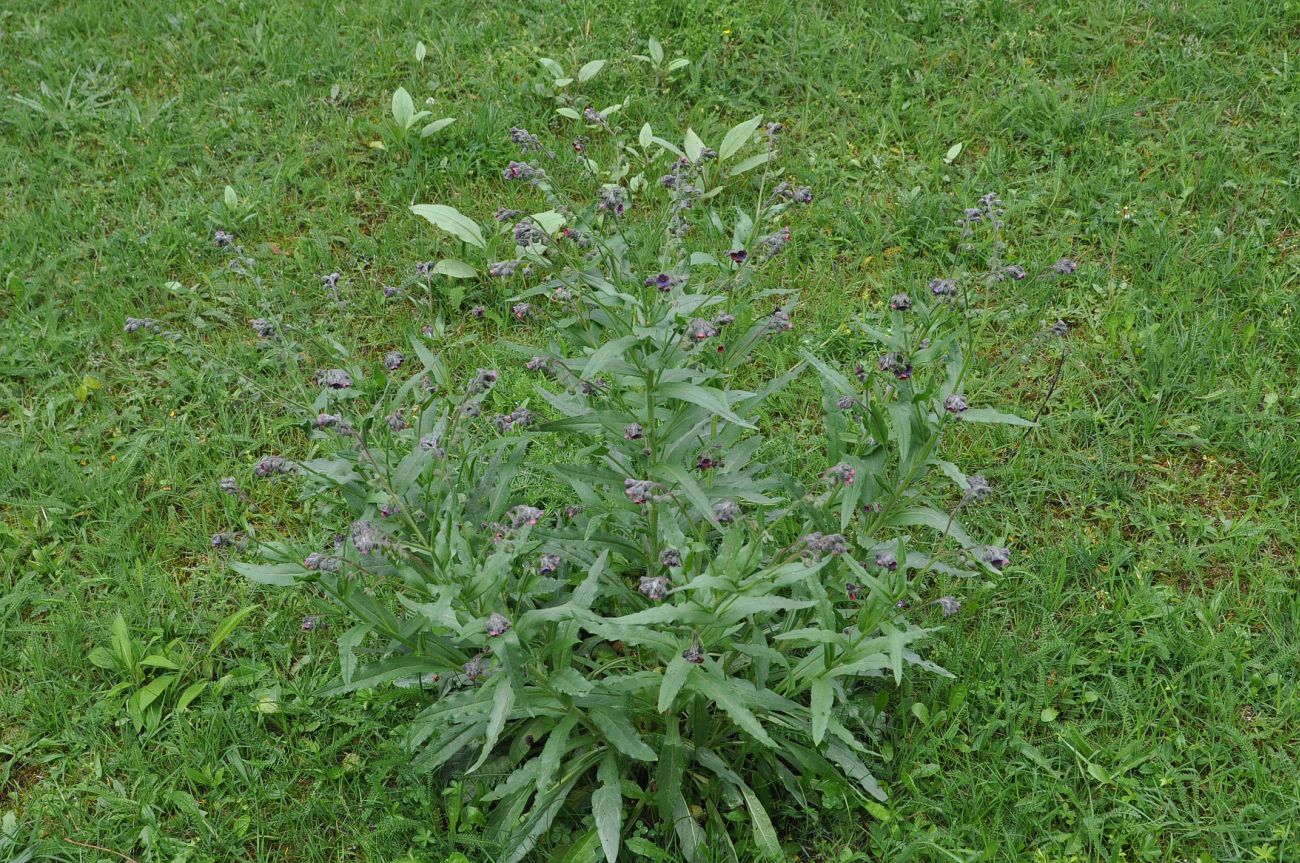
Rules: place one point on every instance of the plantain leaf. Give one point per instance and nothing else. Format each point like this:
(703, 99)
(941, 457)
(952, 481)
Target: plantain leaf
(436, 126)
(403, 108)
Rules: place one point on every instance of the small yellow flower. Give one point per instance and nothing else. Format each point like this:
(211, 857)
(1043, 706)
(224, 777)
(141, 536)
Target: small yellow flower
(726, 32)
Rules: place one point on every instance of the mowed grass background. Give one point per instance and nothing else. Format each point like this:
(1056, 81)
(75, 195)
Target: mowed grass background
(1126, 691)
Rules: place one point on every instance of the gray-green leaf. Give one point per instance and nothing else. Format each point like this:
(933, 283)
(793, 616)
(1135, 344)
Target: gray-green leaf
(452, 221)
(738, 137)
(607, 807)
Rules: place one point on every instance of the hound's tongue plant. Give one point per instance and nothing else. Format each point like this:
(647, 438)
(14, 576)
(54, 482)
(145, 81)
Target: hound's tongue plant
(674, 634)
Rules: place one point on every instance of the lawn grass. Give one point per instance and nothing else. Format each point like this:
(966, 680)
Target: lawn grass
(1126, 691)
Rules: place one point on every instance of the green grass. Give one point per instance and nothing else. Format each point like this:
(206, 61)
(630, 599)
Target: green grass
(1127, 691)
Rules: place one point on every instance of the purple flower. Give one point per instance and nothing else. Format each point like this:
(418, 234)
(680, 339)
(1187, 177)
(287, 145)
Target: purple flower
(538, 364)
(995, 556)
(571, 512)
(977, 487)
(522, 171)
(425, 268)
(321, 562)
(779, 322)
(497, 625)
(264, 328)
(521, 311)
(662, 281)
(506, 215)
(654, 587)
(707, 462)
(503, 269)
(826, 543)
(223, 239)
(432, 443)
(1064, 267)
(393, 360)
(483, 380)
(723, 320)
(477, 312)
(886, 560)
(548, 564)
(639, 491)
(312, 622)
(1060, 328)
(1015, 271)
(524, 139)
(591, 115)
(738, 255)
(335, 379)
(561, 294)
(225, 539)
(695, 653)
(842, 473)
(773, 131)
(803, 195)
(475, 669)
(955, 403)
(900, 302)
(949, 604)
(520, 416)
(527, 233)
(726, 511)
(670, 558)
(845, 403)
(943, 287)
(851, 590)
(521, 516)
(334, 421)
(397, 422)
(270, 465)
(896, 364)
(230, 486)
(775, 242)
(390, 291)
(612, 199)
(135, 324)
(331, 281)
(633, 431)
(699, 329)
(366, 537)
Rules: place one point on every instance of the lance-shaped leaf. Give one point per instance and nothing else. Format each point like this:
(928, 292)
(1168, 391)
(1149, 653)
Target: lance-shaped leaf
(452, 221)
(738, 137)
(607, 807)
